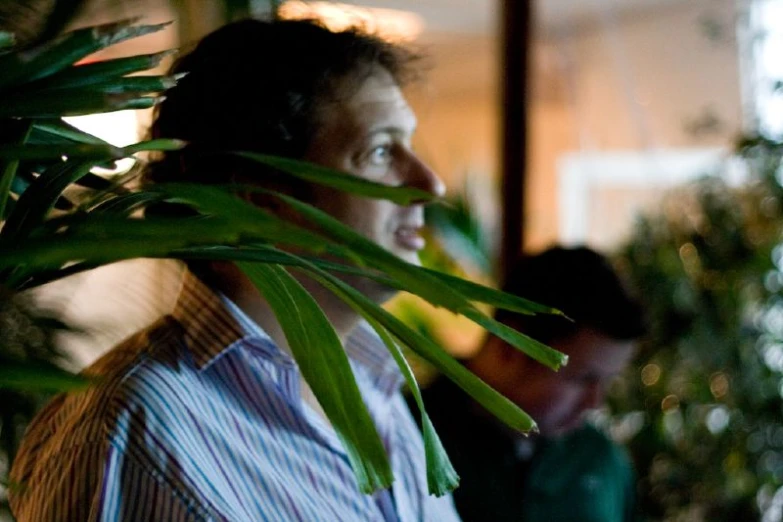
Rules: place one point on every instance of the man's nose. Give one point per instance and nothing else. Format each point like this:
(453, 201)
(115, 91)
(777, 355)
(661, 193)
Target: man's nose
(419, 175)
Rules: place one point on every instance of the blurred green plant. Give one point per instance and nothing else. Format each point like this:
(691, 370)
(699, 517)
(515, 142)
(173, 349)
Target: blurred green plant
(48, 234)
(702, 406)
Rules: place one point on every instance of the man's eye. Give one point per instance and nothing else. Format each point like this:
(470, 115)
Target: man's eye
(380, 155)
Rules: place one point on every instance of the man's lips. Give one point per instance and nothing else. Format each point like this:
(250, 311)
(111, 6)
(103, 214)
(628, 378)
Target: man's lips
(409, 238)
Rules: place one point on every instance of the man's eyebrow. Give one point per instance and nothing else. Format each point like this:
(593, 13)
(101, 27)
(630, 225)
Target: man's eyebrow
(393, 129)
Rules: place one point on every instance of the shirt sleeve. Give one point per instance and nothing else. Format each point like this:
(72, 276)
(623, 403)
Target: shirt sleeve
(98, 483)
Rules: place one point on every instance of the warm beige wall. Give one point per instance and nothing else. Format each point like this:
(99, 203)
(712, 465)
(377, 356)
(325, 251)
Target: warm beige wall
(456, 104)
(661, 76)
(639, 86)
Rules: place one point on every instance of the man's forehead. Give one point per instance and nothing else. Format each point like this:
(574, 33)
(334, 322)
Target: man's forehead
(378, 105)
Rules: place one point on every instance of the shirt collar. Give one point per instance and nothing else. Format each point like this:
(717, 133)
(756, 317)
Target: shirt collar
(210, 327)
(366, 349)
(212, 324)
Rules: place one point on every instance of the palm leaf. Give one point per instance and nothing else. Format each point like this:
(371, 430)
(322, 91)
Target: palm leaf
(71, 102)
(54, 56)
(39, 377)
(441, 476)
(324, 365)
(340, 180)
(49, 153)
(472, 291)
(39, 198)
(8, 170)
(419, 282)
(7, 40)
(92, 73)
(57, 130)
(501, 407)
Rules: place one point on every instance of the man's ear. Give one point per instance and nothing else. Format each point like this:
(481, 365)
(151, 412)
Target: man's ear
(258, 199)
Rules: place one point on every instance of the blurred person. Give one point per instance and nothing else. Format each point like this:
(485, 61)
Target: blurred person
(570, 471)
(204, 415)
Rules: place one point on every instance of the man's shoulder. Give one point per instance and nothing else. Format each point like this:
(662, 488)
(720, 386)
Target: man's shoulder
(122, 382)
(162, 340)
(590, 448)
(597, 441)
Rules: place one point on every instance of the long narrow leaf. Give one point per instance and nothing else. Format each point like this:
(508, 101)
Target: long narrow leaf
(8, 170)
(125, 204)
(249, 218)
(103, 238)
(96, 72)
(7, 40)
(340, 180)
(535, 349)
(325, 366)
(42, 195)
(107, 240)
(39, 377)
(71, 103)
(159, 144)
(441, 476)
(36, 202)
(62, 130)
(134, 84)
(56, 152)
(54, 56)
(472, 291)
(490, 296)
(419, 282)
(212, 253)
(7, 177)
(494, 402)
(42, 278)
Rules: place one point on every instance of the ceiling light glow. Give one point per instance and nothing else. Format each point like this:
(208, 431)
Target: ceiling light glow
(389, 24)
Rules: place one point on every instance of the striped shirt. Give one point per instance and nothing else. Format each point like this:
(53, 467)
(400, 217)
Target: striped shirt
(200, 418)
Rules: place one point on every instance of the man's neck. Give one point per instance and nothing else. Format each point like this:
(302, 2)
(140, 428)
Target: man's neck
(237, 287)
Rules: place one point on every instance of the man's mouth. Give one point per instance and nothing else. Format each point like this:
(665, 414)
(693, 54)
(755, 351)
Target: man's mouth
(410, 238)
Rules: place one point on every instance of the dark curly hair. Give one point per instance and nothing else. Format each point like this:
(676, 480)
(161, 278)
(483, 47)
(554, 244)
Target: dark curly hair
(256, 85)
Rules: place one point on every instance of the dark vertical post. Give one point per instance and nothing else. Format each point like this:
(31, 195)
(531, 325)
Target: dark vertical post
(516, 29)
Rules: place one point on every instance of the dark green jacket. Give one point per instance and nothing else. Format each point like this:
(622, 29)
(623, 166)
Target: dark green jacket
(583, 477)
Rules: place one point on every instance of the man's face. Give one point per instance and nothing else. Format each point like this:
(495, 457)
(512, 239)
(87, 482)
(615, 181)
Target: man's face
(559, 400)
(368, 134)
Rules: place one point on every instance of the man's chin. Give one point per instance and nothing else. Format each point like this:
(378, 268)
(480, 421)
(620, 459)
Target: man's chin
(409, 256)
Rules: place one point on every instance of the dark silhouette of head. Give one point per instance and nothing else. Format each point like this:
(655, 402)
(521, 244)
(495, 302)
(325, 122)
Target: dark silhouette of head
(579, 282)
(599, 338)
